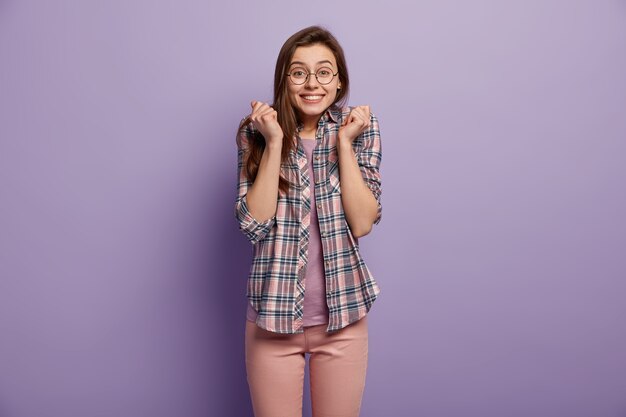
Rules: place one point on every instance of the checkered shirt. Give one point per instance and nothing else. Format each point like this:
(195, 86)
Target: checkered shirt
(276, 284)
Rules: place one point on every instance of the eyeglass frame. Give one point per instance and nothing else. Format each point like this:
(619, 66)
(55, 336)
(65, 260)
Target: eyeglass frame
(308, 74)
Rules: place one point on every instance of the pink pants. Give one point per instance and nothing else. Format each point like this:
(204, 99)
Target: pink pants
(275, 365)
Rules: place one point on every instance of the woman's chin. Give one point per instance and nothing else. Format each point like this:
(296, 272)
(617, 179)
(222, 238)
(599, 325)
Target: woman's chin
(312, 110)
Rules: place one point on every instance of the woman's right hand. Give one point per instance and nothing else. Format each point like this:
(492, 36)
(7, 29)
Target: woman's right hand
(265, 120)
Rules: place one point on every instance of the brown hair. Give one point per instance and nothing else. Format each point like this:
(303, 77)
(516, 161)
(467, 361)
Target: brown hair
(287, 117)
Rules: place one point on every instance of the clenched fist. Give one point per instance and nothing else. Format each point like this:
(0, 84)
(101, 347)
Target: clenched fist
(265, 120)
(357, 121)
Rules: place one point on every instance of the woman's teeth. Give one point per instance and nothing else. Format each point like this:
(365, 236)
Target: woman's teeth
(312, 97)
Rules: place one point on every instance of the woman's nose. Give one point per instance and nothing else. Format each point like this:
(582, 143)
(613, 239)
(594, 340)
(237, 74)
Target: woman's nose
(311, 82)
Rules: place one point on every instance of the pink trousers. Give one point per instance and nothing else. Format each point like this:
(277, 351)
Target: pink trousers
(337, 364)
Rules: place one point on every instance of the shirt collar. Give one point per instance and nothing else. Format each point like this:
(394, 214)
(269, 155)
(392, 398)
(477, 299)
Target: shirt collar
(333, 114)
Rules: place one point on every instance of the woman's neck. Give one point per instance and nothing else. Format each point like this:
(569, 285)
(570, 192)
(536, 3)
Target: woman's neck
(308, 132)
(309, 127)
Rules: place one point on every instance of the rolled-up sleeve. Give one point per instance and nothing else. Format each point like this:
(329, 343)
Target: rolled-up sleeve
(251, 228)
(369, 155)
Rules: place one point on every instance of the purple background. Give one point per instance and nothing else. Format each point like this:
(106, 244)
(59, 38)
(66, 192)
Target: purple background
(501, 254)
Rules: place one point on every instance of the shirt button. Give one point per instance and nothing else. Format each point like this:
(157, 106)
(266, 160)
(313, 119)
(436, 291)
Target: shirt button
(317, 157)
(319, 206)
(323, 234)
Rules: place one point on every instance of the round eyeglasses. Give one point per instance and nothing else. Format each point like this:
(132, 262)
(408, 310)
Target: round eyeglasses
(300, 75)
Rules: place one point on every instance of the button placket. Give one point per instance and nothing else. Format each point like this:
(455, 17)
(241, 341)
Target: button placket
(304, 195)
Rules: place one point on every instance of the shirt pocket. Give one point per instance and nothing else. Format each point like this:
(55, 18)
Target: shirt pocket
(291, 173)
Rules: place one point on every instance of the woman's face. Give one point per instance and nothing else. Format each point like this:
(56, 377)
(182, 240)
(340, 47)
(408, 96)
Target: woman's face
(311, 99)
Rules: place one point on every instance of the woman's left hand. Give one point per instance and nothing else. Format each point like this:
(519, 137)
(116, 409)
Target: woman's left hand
(357, 121)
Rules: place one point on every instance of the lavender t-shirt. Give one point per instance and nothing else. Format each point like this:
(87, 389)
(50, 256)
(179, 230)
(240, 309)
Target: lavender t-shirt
(315, 310)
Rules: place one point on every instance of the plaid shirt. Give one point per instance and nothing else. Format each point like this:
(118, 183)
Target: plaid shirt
(276, 282)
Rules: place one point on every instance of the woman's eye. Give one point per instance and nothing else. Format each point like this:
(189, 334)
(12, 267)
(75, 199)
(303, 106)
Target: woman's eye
(298, 73)
(323, 72)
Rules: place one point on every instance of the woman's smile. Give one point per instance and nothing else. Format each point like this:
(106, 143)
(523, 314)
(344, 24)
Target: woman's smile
(312, 98)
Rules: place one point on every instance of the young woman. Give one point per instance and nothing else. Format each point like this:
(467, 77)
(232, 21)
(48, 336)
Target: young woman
(309, 187)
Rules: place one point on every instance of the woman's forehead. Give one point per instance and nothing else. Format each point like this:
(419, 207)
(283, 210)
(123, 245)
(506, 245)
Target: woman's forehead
(313, 55)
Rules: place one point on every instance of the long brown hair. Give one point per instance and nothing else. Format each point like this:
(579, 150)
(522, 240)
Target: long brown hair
(287, 116)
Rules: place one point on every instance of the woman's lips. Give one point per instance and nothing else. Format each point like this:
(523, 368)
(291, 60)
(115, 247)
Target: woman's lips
(312, 98)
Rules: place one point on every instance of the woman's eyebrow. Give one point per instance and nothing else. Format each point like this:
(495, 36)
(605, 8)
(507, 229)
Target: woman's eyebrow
(303, 64)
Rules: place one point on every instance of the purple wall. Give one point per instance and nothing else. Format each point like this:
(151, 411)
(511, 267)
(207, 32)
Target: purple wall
(501, 254)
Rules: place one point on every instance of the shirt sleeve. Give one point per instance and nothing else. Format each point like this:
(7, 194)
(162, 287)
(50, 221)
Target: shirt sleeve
(251, 228)
(369, 155)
